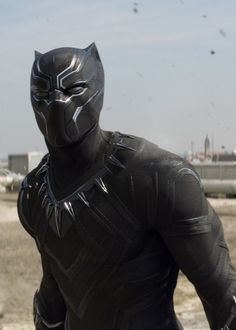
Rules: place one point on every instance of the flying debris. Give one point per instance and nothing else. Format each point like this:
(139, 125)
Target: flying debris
(222, 32)
(213, 105)
(135, 7)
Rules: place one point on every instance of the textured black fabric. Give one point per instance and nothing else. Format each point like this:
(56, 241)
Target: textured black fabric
(114, 243)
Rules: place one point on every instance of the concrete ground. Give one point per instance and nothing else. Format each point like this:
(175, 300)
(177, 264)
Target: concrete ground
(20, 270)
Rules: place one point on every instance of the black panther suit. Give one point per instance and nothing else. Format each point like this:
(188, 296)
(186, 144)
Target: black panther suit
(114, 217)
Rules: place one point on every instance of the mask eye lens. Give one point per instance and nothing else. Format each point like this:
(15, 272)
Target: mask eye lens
(40, 95)
(77, 89)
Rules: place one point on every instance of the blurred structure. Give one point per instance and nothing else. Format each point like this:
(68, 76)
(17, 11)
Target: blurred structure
(3, 163)
(13, 170)
(207, 148)
(224, 157)
(24, 163)
(209, 154)
(218, 177)
(217, 169)
(9, 181)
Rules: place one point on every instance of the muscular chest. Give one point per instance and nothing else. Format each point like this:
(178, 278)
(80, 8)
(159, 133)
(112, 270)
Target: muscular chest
(87, 239)
(94, 229)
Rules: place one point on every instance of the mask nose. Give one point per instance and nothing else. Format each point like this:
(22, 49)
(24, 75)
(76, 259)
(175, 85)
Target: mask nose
(57, 96)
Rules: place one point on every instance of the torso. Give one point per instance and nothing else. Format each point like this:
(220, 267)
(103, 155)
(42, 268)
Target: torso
(113, 270)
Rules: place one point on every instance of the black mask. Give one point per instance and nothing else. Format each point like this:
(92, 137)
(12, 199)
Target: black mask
(67, 87)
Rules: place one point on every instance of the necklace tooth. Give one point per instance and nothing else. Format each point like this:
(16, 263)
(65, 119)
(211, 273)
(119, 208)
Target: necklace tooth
(83, 198)
(114, 161)
(42, 169)
(57, 215)
(122, 135)
(99, 182)
(69, 208)
(42, 189)
(49, 210)
(45, 200)
(124, 146)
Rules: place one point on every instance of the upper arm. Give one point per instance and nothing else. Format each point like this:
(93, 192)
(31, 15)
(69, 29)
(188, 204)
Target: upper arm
(186, 206)
(194, 236)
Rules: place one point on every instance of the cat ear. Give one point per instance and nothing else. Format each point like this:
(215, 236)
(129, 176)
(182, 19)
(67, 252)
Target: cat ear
(93, 50)
(37, 54)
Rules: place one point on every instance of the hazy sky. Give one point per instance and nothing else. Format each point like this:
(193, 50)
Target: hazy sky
(170, 68)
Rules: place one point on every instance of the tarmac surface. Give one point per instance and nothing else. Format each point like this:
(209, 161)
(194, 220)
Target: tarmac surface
(20, 270)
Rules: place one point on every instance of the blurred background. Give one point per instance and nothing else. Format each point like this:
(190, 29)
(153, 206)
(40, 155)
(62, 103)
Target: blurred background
(170, 69)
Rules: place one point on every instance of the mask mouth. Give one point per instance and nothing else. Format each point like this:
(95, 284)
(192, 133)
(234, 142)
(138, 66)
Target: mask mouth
(58, 113)
(58, 141)
(79, 141)
(63, 125)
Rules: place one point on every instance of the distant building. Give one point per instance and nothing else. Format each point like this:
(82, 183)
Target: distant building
(207, 147)
(24, 163)
(3, 163)
(210, 155)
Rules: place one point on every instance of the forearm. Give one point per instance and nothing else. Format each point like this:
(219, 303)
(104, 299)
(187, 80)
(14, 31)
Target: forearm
(204, 258)
(48, 309)
(49, 305)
